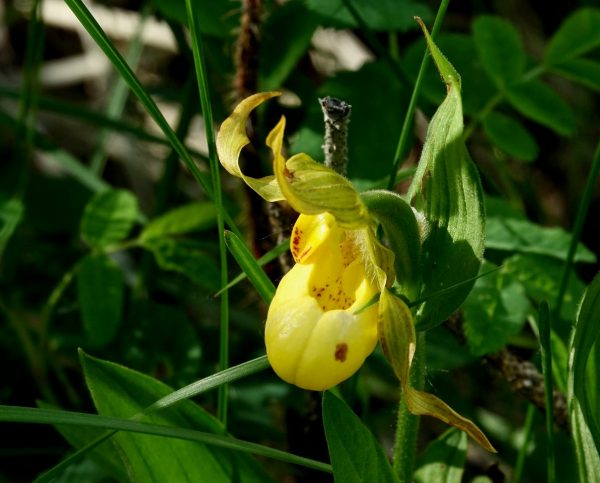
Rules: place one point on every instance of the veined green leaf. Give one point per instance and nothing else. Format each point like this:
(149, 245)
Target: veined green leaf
(184, 219)
(248, 264)
(495, 310)
(523, 236)
(108, 218)
(500, 49)
(443, 460)
(510, 136)
(11, 212)
(447, 190)
(356, 456)
(121, 392)
(538, 102)
(578, 34)
(584, 423)
(584, 71)
(186, 258)
(100, 289)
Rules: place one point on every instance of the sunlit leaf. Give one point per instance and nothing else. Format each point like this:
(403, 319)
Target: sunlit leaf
(443, 460)
(356, 456)
(108, 218)
(100, 289)
(121, 392)
(447, 190)
(184, 219)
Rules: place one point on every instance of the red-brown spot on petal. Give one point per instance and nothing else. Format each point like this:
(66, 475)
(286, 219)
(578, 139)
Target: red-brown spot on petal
(288, 174)
(341, 350)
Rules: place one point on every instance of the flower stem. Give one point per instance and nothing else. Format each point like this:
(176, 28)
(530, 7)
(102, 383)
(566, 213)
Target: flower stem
(336, 114)
(407, 426)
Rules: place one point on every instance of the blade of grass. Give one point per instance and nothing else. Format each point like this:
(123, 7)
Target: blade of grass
(410, 112)
(546, 350)
(119, 91)
(251, 268)
(17, 414)
(580, 218)
(262, 261)
(215, 380)
(194, 20)
(527, 433)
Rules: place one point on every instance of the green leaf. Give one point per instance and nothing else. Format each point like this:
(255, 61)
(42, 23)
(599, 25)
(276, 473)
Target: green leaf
(510, 136)
(447, 190)
(584, 423)
(108, 218)
(541, 276)
(11, 212)
(186, 258)
(443, 460)
(578, 34)
(403, 235)
(184, 219)
(495, 310)
(356, 456)
(248, 264)
(100, 289)
(538, 102)
(383, 15)
(521, 235)
(121, 392)
(500, 49)
(285, 38)
(584, 71)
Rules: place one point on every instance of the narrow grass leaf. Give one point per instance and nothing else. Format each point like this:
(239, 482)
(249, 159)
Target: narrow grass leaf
(100, 291)
(108, 218)
(356, 456)
(251, 268)
(584, 421)
(443, 460)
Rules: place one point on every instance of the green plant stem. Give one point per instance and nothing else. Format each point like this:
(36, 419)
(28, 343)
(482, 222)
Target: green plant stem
(199, 63)
(412, 105)
(407, 427)
(544, 325)
(527, 433)
(582, 212)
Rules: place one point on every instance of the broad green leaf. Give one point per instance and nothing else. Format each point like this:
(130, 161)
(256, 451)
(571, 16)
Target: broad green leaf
(11, 212)
(443, 460)
(495, 310)
(521, 235)
(285, 38)
(500, 49)
(578, 34)
(446, 189)
(105, 454)
(541, 276)
(584, 422)
(383, 15)
(219, 19)
(356, 456)
(108, 218)
(584, 71)
(538, 102)
(185, 257)
(121, 392)
(100, 290)
(184, 219)
(403, 235)
(248, 264)
(510, 136)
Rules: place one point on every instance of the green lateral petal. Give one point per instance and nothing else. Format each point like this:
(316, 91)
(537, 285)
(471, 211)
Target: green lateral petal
(447, 190)
(312, 188)
(231, 140)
